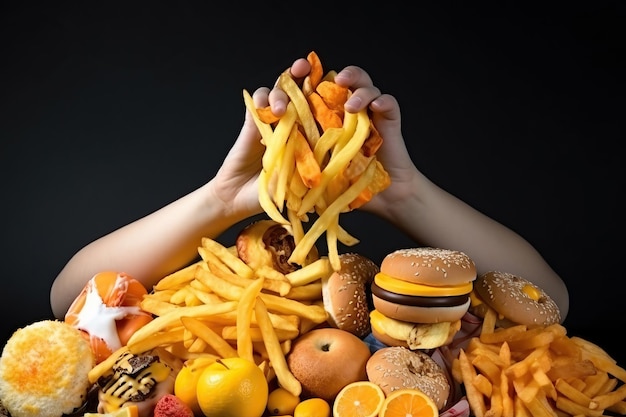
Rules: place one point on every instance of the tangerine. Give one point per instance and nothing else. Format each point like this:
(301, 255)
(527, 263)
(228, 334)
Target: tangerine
(408, 402)
(359, 399)
(186, 382)
(312, 407)
(282, 402)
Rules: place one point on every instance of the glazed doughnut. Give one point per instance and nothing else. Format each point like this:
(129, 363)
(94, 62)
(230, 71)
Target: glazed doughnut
(516, 300)
(397, 367)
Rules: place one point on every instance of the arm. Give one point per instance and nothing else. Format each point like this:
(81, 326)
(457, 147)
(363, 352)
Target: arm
(167, 239)
(433, 217)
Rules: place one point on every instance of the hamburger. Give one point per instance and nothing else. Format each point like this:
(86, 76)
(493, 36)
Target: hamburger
(514, 299)
(44, 370)
(267, 243)
(345, 294)
(420, 295)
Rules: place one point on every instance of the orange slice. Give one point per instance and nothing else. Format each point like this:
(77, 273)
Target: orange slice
(359, 399)
(408, 403)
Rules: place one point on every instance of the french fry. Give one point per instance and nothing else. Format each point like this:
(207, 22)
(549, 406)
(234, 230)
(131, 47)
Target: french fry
(321, 224)
(264, 128)
(306, 165)
(154, 340)
(204, 332)
(474, 397)
(340, 159)
(235, 263)
(244, 317)
(289, 86)
(277, 358)
(176, 279)
(312, 272)
(173, 317)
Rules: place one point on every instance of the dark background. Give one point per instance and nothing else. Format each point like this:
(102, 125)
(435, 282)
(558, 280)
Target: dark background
(110, 111)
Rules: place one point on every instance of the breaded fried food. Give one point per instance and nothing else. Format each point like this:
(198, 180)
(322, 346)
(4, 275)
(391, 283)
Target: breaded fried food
(43, 370)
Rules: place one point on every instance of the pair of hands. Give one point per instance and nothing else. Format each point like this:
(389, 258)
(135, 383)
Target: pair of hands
(236, 180)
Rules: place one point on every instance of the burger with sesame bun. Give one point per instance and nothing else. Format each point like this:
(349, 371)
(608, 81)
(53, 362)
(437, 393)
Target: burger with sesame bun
(346, 294)
(420, 295)
(515, 300)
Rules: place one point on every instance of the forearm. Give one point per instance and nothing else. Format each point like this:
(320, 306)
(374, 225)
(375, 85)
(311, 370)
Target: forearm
(433, 217)
(148, 248)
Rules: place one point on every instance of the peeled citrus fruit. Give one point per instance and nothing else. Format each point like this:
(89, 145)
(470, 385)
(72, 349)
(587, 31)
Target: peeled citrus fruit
(187, 381)
(359, 399)
(313, 407)
(282, 402)
(408, 403)
(128, 411)
(232, 387)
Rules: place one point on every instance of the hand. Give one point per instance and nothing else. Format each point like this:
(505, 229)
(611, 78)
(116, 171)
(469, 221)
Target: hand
(386, 116)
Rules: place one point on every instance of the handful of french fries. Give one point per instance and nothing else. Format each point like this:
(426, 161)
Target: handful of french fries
(219, 307)
(538, 372)
(318, 159)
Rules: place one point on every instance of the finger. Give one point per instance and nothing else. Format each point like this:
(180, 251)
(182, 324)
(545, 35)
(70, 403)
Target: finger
(277, 98)
(358, 80)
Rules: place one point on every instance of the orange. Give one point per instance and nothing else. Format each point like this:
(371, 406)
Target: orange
(128, 411)
(408, 403)
(187, 381)
(312, 407)
(281, 402)
(232, 387)
(359, 399)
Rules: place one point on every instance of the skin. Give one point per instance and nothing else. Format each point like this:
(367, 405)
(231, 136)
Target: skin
(167, 239)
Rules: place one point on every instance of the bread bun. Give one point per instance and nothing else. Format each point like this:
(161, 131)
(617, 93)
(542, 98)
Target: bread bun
(429, 266)
(269, 243)
(516, 300)
(396, 367)
(345, 294)
(44, 370)
(325, 360)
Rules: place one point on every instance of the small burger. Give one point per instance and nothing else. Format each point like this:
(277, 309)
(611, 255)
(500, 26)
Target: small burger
(420, 296)
(346, 294)
(515, 300)
(269, 243)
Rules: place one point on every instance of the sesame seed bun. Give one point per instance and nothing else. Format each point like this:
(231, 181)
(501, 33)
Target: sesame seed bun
(429, 266)
(516, 300)
(397, 367)
(43, 370)
(345, 295)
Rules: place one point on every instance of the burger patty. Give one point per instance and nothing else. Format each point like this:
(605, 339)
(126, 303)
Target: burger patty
(418, 301)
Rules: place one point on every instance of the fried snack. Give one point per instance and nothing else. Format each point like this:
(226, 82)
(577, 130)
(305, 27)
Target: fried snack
(539, 371)
(330, 156)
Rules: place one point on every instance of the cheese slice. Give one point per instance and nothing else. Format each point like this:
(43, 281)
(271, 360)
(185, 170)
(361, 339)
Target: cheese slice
(398, 286)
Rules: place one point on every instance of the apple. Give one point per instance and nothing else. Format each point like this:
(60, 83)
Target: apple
(232, 387)
(325, 360)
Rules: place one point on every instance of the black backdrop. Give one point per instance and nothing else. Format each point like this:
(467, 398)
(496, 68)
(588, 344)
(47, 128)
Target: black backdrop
(110, 111)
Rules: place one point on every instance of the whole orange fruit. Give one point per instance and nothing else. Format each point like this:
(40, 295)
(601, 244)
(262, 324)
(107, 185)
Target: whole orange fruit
(232, 387)
(185, 385)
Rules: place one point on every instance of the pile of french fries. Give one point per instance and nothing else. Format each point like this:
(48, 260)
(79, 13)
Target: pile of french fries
(318, 159)
(219, 307)
(538, 372)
